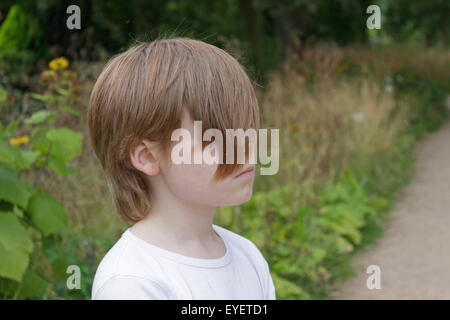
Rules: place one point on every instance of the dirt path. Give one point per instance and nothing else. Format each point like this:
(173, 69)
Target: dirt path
(414, 251)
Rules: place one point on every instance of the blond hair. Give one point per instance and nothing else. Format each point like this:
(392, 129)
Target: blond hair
(141, 94)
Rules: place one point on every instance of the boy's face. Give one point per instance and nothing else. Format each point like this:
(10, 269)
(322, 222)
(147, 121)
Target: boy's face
(195, 183)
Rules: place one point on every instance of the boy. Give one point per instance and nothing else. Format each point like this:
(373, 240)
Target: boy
(173, 250)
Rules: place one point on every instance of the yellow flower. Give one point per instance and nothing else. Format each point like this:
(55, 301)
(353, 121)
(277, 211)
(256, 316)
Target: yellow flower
(282, 236)
(48, 74)
(19, 140)
(59, 63)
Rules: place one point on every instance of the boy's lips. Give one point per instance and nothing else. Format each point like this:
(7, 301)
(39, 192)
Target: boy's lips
(247, 172)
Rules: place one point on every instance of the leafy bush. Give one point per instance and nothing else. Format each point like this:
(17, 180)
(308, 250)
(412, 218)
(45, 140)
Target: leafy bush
(29, 217)
(299, 239)
(20, 37)
(19, 31)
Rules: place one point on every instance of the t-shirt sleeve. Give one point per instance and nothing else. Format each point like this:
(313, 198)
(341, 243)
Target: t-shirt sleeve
(131, 288)
(270, 287)
(265, 277)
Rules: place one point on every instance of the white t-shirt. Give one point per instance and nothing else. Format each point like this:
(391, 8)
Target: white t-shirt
(136, 269)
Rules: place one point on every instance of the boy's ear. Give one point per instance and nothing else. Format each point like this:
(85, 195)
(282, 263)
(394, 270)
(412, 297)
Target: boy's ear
(144, 157)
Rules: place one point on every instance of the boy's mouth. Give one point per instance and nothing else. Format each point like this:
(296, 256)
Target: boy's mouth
(247, 172)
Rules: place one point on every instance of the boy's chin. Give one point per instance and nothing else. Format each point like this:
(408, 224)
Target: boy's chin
(239, 199)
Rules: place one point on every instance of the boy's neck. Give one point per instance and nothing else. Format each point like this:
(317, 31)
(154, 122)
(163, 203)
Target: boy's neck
(181, 227)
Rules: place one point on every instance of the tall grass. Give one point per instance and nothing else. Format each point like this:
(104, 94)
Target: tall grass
(325, 125)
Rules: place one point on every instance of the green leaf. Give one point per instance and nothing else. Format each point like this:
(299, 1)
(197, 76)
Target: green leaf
(70, 110)
(15, 247)
(13, 189)
(65, 144)
(29, 157)
(59, 267)
(343, 245)
(33, 286)
(39, 141)
(286, 289)
(318, 254)
(46, 213)
(284, 211)
(11, 156)
(10, 129)
(61, 168)
(41, 97)
(39, 117)
(63, 92)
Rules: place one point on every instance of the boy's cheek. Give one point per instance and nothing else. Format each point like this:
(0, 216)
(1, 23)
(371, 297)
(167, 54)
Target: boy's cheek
(196, 172)
(192, 178)
(196, 183)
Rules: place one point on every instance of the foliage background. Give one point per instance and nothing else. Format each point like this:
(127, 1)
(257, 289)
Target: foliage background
(350, 104)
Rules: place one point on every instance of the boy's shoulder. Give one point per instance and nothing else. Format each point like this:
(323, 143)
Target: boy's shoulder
(240, 243)
(245, 249)
(234, 238)
(123, 260)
